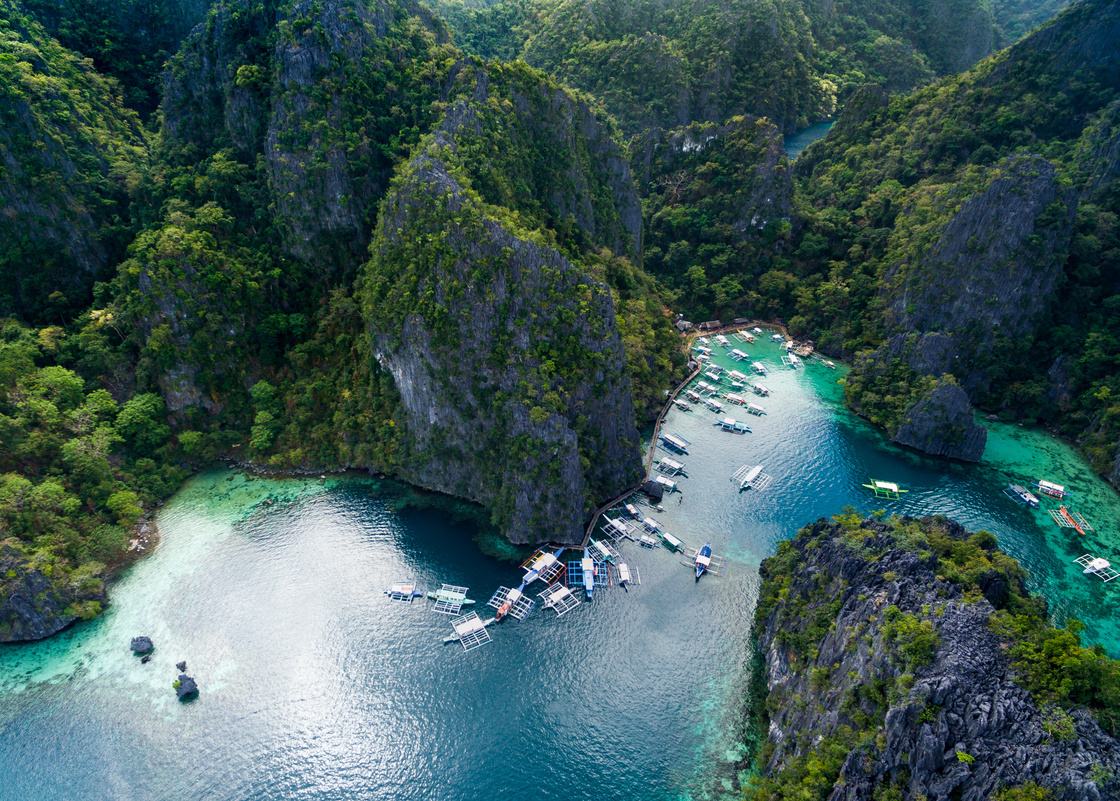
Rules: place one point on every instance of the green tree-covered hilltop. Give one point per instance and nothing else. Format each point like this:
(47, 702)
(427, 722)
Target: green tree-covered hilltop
(343, 241)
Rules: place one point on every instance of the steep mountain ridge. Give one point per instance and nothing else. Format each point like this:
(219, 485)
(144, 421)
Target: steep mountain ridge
(71, 155)
(505, 353)
(906, 657)
(967, 204)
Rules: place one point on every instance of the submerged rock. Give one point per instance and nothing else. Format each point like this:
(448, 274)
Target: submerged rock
(940, 423)
(181, 666)
(185, 686)
(141, 645)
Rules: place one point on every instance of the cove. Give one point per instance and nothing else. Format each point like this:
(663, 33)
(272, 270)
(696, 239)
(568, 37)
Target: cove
(801, 139)
(313, 686)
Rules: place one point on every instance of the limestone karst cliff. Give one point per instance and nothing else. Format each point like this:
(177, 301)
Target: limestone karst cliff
(906, 656)
(504, 350)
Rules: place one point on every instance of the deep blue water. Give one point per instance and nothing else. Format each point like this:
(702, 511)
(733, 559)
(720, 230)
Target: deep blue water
(800, 140)
(315, 687)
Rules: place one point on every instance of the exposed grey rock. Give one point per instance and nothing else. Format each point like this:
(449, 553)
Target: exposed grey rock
(967, 700)
(187, 687)
(141, 645)
(31, 605)
(940, 423)
(472, 385)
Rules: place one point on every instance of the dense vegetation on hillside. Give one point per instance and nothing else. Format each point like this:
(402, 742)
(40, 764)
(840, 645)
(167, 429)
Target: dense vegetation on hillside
(238, 222)
(664, 64)
(937, 571)
(72, 161)
(127, 39)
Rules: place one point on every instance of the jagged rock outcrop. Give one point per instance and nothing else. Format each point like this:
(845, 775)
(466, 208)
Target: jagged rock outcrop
(141, 645)
(505, 352)
(31, 605)
(940, 423)
(761, 194)
(70, 154)
(185, 687)
(859, 629)
(317, 102)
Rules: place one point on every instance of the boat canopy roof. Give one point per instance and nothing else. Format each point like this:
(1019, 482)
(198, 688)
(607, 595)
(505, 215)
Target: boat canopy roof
(887, 485)
(1050, 485)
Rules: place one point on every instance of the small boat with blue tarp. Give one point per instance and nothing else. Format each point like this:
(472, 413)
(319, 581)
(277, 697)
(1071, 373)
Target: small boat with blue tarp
(732, 425)
(1021, 494)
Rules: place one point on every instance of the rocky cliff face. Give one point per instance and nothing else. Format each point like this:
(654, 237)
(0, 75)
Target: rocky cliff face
(940, 423)
(859, 630)
(504, 351)
(31, 605)
(321, 89)
(69, 156)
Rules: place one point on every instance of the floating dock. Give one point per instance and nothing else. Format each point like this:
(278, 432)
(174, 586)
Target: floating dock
(885, 489)
(470, 631)
(1097, 566)
(560, 599)
(1067, 518)
(751, 478)
(449, 599)
(512, 602)
(404, 592)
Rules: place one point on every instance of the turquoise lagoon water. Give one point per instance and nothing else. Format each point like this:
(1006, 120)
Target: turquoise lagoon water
(800, 140)
(315, 687)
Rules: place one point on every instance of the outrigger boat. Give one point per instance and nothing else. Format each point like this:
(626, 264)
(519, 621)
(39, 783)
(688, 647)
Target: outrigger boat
(1067, 518)
(885, 489)
(588, 565)
(1097, 566)
(1051, 489)
(703, 559)
(404, 592)
(1021, 495)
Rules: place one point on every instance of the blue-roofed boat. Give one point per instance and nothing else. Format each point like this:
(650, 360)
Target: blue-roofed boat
(703, 559)
(588, 565)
